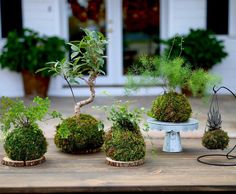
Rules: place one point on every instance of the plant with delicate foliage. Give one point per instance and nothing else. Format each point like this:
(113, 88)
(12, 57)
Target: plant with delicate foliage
(23, 139)
(171, 74)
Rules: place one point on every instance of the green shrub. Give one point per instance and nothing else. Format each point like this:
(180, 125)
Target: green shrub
(124, 145)
(124, 141)
(27, 50)
(25, 144)
(201, 48)
(79, 134)
(217, 139)
(171, 107)
(23, 139)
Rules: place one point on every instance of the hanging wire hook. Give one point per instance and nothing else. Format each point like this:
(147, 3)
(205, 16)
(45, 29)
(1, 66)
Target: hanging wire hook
(223, 87)
(228, 156)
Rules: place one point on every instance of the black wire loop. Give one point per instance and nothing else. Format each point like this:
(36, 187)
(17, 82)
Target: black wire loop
(214, 102)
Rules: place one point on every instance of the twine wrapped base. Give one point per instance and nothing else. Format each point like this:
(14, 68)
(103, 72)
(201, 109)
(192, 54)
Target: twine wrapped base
(111, 162)
(9, 162)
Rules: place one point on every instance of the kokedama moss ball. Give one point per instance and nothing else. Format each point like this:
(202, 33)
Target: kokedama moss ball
(217, 139)
(25, 144)
(124, 145)
(171, 107)
(79, 135)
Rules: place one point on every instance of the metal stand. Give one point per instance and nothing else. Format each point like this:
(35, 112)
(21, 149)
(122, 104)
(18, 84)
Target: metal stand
(172, 142)
(228, 157)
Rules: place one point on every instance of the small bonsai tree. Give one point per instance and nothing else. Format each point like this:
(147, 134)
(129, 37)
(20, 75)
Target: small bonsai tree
(172, 74)
(23, 139)
(81, 133)
(124, 141)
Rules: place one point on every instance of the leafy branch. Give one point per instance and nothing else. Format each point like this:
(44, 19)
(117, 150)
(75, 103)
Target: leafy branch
(87, 57)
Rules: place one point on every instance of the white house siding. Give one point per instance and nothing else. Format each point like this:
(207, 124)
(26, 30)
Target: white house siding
(46, 17)
(186, 14)
(227, 69)
(11, 84)
(42, 16)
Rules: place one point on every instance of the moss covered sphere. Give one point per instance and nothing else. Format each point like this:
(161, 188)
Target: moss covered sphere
(217, 139)
(25, 144)
(79, 135)
(171, 107)
(124, 145)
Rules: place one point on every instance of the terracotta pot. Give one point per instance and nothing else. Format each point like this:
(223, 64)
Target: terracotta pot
(29, 82)
(41, 85)
(186, 92)
(34, 84)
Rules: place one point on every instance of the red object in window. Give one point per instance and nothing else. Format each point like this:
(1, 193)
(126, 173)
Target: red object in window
(78, 11)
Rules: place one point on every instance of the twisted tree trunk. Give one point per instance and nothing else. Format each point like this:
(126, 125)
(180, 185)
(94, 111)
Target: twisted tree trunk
(91, 85)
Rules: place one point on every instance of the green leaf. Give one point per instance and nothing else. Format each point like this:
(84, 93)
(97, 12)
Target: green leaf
(73, 47)
(74, 54)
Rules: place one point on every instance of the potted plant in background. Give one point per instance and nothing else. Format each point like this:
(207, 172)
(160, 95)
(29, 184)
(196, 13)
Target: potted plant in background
(81, 133)
(24, 142)
(26, 52)
(202, 49)
(124, 144)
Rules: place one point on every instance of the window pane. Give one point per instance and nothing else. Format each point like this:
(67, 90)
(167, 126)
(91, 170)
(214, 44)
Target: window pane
(140, 30)
(217, 16)
(11, 16)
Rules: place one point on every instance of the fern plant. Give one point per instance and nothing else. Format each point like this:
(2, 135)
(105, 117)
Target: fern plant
(171, 74)
(23, 139)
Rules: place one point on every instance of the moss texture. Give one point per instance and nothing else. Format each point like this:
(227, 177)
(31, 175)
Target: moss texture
(25, 144)
(78, 135)
(217, 139)
(124, 145)
(171, 107)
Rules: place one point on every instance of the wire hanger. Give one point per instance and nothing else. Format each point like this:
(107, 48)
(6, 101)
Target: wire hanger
(215, 105)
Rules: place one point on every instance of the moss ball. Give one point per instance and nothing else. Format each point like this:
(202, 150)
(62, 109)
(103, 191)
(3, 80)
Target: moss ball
(171, 107)
(79, 135)
(25, 144)
(124, 145)
(217, 139)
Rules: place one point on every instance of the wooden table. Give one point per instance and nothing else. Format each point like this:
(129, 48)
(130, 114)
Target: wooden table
(89, 173)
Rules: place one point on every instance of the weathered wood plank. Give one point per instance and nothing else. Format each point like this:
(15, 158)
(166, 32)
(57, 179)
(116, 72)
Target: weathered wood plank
(79, 173)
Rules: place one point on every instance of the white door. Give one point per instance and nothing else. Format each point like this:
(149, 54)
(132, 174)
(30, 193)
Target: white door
(115, 19)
